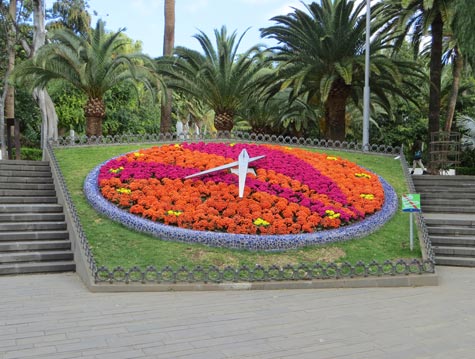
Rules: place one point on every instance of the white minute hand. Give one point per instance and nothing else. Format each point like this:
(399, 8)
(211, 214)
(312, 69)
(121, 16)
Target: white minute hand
(242, 164)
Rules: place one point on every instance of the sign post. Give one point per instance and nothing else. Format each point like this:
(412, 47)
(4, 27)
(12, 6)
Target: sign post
(411, 203)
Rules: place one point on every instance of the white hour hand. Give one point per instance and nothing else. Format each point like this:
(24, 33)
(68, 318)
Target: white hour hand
(242, 163)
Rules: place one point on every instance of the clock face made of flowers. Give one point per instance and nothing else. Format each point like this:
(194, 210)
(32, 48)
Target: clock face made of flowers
(294, 197)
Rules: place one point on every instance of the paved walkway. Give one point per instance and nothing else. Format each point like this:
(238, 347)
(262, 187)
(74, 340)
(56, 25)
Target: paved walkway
(54, 316)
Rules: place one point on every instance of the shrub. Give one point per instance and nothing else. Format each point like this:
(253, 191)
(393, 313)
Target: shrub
(32, 154)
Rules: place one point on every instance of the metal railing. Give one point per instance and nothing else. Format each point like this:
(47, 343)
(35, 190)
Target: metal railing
(258, 273)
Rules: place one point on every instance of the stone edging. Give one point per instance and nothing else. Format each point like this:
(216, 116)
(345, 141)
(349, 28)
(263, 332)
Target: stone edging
(240, 241)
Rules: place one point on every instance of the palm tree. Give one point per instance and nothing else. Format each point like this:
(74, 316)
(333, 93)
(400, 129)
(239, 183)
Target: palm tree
(417, 17)
(461, 51)
(220, 77)
(168, 45)
(320, 54)
(94, 63)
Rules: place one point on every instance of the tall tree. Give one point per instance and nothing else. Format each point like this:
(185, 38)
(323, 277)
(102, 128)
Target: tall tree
(10, 37)
(418, 18)
(220, 77)
(461, 50)
(72, 14)
(457, 67)
(94, 64)
(11, 42)
(320, 56)
(168, 45)
(49, 118)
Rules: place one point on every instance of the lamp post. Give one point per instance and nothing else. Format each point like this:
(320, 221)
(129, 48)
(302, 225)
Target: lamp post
(366, 92)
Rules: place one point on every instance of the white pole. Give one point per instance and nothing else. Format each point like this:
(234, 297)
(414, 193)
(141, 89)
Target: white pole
(366, 93)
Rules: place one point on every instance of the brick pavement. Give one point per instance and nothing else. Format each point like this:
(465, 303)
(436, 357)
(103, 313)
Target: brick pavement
(54, 316)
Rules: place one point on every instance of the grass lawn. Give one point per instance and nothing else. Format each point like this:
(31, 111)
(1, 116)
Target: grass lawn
(114, 245)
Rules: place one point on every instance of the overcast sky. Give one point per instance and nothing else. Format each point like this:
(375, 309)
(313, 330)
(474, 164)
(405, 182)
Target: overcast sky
(144, 19)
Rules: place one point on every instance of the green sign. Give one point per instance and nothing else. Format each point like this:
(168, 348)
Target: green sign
(411, 202)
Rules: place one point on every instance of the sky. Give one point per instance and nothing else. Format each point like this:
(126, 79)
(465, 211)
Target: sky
(144, 19)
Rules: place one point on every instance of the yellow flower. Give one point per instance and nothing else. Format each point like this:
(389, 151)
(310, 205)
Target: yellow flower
(175, 213)
(177, 145)
(232, 144)
(367, 196)
(261, 222)
(115, 170)
(332, 158)
(138, 154)
(362, 175)
(332, 214)
(124, 190)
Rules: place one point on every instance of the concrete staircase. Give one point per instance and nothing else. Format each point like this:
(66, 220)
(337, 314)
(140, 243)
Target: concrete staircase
(33, 233)
(448, 208)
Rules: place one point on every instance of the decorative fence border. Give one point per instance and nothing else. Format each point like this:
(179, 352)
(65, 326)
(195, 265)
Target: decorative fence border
(230, 136)
(258, 274)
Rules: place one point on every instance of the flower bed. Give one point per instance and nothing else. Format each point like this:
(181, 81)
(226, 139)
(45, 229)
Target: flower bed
(295, 198)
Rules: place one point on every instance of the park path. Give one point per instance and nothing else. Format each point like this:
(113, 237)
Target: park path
(54, 316)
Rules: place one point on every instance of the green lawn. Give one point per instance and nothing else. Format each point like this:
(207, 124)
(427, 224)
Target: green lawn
(114, 245)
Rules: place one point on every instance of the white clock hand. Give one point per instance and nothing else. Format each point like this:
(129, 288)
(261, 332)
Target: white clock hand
(242, 163)
(215, 169)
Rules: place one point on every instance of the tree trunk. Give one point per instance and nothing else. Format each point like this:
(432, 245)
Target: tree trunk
(93, 126)
(7, 105)
(168, 45)
(11, 39)
(3, 153)
(224, 121)
(456, 73)
(49, 118)
(166, 113)
(435, 77)
(335, 112)
(169, 31)
(49, 124)
(94, 111)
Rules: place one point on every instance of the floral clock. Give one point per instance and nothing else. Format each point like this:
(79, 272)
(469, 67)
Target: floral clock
(292, 197)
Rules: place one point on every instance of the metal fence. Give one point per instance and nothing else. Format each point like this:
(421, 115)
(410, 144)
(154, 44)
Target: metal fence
(211, 274)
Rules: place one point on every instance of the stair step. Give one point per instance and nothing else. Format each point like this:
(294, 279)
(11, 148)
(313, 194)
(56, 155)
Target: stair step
(443, 219)
(42, 172)
(444, 179)
(447, 209)
(34, 246)
(455, 261)
(463, 188)
(452, 241)
(454, 251)
(37, 267)
(27, 192)
(31, 217)
(467, 195)
(14, 179)
(26, 186)
(31, 208)
(451, 231)
(23, 162)
(32, 226)
(28, 200)
(34, 236)
(447, 202)
(11, 257)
